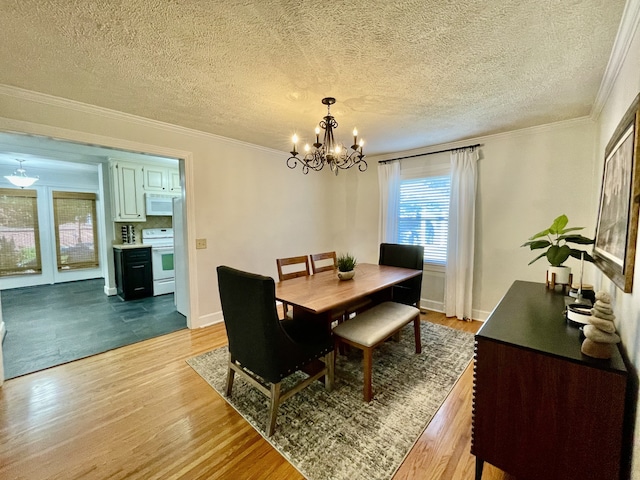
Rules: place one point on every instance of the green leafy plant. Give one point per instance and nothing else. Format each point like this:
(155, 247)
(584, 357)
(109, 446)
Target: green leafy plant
(557, 237)
(346, 262)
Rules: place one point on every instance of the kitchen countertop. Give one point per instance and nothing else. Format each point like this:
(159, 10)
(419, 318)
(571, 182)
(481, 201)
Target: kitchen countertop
(126, 246)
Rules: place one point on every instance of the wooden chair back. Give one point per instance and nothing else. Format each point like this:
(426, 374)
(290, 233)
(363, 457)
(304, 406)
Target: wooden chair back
(287, 262)
(322, 258)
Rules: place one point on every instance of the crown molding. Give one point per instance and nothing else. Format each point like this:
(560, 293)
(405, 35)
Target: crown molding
(626, 32)
(84, 108)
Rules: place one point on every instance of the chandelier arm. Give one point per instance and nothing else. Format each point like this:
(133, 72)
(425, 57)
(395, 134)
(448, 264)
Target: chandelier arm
(292, 162)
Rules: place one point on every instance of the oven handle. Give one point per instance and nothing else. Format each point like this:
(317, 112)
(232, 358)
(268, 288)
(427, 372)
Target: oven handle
(162, 248)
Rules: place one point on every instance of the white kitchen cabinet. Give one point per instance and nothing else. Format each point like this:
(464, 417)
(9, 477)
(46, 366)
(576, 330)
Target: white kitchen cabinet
(127, 191)
(161, 179)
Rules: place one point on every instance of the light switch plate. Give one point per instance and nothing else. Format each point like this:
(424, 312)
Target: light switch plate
(201, 243)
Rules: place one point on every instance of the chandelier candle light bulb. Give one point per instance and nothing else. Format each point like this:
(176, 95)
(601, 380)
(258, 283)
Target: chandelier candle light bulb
(328, 152)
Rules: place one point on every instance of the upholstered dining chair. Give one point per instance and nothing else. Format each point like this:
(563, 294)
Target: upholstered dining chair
(296, 267)
(406, 256)
(262, 348)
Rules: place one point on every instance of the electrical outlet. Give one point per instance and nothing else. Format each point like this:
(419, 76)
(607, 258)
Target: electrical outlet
(201, 243)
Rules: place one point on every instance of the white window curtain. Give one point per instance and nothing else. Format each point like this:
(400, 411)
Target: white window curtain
(460, 242)
(389, 183)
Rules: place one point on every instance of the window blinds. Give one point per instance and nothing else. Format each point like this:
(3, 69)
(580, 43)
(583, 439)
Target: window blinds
(424, 214)
(19, 235)
(76, 233)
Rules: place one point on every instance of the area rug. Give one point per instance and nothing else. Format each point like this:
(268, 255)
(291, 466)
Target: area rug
(336, 435)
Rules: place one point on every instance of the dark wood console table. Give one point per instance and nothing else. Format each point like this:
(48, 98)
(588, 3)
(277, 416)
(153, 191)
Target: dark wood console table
(542, 409)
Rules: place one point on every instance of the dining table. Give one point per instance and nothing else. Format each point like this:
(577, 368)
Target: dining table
(316, 296)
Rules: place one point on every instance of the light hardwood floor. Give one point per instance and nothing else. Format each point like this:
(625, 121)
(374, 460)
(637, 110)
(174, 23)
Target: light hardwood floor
(141, 412)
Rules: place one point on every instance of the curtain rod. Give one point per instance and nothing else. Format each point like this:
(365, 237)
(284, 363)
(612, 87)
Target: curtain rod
(431, 153)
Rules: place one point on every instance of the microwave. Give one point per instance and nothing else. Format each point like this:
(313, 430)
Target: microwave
(161, 205)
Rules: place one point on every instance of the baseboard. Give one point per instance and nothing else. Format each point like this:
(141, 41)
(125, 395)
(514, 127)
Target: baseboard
(110, 291)
(434, 306)
(207, 320)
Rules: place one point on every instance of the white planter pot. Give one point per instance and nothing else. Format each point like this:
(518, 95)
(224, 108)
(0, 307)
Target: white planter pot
(562, 275)
(346, 275)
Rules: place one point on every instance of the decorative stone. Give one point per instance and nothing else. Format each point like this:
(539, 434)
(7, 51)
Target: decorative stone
(603, 296)
(603, 307)
(592, 333)
(596, 350)
(605, 316)
(602, 325)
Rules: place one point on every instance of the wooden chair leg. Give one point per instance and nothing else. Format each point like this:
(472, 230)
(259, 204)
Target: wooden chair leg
(230, 375)
(367, 367)
(273, 409)
(329, 361)
(416, 332)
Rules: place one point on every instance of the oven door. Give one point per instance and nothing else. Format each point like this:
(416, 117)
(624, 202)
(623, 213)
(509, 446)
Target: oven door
(162, 263)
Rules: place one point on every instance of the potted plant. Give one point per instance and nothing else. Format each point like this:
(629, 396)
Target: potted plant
(554, 240)
(346, 266)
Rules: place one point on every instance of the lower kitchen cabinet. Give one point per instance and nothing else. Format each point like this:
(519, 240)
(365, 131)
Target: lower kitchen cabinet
(134, 274)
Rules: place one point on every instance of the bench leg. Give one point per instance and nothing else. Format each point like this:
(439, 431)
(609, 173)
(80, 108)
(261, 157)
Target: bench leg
(416, 332)
(367, 367)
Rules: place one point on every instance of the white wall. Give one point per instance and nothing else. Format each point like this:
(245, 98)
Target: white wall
(526, 178)
(626, 306)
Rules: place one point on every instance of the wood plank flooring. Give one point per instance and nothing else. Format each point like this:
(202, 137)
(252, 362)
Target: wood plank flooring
(141, 412)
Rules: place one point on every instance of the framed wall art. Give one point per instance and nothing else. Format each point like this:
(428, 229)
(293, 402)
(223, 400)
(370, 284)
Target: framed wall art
(614, 251)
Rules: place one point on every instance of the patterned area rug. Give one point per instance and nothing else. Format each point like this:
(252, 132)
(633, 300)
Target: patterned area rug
(336, 435)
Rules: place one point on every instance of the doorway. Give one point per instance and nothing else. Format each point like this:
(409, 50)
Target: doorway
(47, 153)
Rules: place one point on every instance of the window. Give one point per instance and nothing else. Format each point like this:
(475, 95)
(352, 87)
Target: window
(424, 215)
(19, 235)
(76, 234)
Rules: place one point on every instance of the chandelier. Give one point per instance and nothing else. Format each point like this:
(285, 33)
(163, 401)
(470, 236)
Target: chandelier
(19, 177)
(328, 152)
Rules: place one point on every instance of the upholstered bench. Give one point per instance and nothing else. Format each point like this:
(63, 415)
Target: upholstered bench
(371, 328)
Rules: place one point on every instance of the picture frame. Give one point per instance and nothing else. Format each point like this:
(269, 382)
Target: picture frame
(614, 250)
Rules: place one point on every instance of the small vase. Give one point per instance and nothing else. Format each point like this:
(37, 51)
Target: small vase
(346, 275)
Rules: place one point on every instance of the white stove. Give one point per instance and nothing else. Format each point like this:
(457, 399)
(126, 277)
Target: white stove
(161, 242)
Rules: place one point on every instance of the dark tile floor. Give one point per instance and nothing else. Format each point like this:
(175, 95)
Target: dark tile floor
(53, 324)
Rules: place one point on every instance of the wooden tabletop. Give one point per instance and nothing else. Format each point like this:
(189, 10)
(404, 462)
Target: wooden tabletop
(324, 291)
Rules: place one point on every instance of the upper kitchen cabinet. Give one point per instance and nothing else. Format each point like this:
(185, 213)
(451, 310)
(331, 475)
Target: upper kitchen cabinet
(159, 179)
(127, 191)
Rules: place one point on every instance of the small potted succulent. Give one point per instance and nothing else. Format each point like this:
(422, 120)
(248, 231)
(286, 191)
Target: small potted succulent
(346, 266)
(554, 241)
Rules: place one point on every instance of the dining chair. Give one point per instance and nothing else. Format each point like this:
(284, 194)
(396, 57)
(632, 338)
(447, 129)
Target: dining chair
(263, 349)
(327, 261)
(405, 256)
(323, 262)
(302, 270)
(300, 267)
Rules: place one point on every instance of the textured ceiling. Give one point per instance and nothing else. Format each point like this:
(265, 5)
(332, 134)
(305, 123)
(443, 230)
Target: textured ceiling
(406, 73)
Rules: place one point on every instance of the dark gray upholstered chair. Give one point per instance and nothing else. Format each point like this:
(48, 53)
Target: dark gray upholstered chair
(406, 256)
(264, 349)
